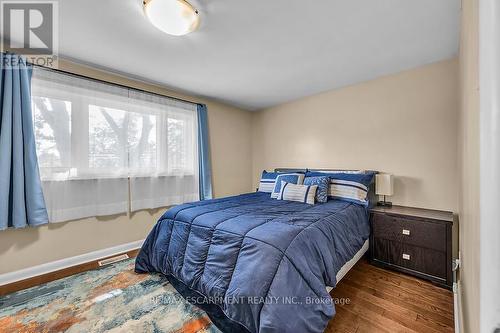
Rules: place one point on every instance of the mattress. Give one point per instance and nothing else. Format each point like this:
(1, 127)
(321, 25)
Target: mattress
(350, 264)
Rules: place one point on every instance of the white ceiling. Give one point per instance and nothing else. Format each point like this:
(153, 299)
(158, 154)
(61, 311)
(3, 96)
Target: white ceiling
(259, 53)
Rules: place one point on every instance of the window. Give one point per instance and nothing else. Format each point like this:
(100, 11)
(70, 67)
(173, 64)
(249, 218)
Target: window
(88, 132)
(52, 122)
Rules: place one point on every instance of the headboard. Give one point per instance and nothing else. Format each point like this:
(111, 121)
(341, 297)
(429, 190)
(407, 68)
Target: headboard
(372, 197)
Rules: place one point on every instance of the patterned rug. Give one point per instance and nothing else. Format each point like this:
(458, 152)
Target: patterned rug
(111, 299)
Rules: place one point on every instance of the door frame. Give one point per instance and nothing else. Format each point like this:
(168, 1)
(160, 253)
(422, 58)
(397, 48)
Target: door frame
(489, 101)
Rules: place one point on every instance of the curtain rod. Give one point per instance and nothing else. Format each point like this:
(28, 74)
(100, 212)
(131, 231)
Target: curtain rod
(111, 83)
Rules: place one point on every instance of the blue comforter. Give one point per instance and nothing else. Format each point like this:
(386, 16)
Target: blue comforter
(262, 263)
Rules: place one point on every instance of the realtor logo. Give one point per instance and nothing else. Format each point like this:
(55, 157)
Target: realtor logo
(29, 28)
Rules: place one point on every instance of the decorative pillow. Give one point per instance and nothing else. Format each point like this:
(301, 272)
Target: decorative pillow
(323, 182)
(300, 193)
(267, 181)
(294, 178)
(352, 187)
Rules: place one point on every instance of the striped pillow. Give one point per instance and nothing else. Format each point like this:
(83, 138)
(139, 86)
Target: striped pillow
(348, 191)
(294, 178)
(267, 181)
(352, 187)
(300, 193)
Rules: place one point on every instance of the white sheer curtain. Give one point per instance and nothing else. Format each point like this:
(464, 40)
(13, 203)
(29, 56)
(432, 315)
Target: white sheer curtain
(175, 179)
(96, 141)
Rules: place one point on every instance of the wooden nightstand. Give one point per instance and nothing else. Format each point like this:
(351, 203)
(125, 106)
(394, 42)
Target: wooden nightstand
(414, 241)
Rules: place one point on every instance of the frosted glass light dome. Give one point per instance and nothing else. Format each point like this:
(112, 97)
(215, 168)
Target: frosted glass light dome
(174, 17)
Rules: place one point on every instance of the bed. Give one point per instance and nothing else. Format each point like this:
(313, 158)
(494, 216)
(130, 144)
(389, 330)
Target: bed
(257, 264)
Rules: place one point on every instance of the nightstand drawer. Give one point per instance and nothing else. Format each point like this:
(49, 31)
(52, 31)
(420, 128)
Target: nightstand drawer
(412, 232)
(420, 259)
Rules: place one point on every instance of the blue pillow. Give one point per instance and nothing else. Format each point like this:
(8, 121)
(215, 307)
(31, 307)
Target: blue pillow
(323, 182)
(352, 187)
(267, 181)
(292, 178)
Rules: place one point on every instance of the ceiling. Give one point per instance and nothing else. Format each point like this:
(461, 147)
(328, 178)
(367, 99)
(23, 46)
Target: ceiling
(260, 53)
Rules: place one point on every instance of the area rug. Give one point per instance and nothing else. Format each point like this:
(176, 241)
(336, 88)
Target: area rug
(111, 299)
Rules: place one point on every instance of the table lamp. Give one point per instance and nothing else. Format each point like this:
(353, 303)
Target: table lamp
(384, 185)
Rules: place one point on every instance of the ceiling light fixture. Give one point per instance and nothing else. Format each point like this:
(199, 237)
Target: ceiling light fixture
(174, 17)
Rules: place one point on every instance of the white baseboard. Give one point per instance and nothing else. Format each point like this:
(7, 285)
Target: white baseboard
(53, 266)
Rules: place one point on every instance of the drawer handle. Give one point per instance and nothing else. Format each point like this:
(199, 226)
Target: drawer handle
(406, 232)
(406, 256)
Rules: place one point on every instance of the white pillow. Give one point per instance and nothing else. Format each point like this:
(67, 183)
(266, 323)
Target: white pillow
(300, 193)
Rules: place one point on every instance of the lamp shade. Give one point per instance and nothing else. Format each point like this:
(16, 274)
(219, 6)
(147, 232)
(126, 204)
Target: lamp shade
(384, 184)
(175, 17)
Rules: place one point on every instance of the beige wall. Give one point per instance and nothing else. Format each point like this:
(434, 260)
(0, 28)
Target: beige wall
(230, 144)
(405, 124)
(468, 161)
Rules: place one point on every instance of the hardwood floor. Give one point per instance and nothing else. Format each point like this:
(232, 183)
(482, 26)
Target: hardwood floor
(44, 278)
(379, 300)
(387, 301)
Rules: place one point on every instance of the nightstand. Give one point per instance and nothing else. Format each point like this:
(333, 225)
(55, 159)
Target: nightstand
(413, 241)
